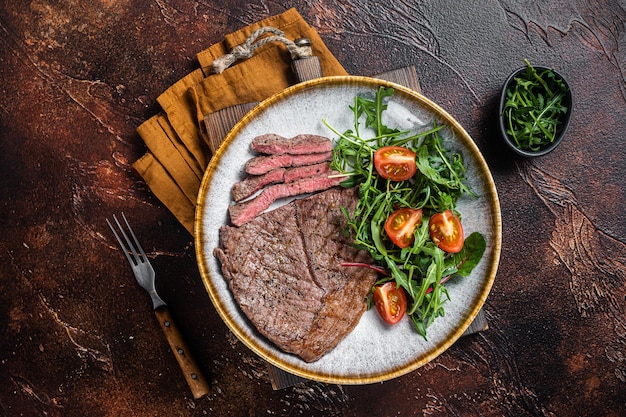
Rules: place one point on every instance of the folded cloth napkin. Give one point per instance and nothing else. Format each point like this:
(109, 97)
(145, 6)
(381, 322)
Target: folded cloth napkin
(178, 152)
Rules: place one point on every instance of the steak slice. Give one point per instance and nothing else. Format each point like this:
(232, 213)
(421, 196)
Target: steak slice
(284, 270)
(298, 145)
(262, 164)
(297, 173)
(241, 213)
(253, 183)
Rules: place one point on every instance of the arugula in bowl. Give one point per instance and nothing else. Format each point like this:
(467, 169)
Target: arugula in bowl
(535, 109)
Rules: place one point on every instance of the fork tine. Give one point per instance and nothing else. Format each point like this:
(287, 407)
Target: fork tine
(137, 244)
(126, 248)
(119, 240)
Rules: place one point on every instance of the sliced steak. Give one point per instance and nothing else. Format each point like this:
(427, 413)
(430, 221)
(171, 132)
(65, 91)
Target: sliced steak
(298, 145)
(296, 173)
(284, 270)
(253, 183)
(261, 164)
(241, 213)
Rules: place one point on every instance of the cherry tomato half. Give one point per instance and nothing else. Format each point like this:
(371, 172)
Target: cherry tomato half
(395, 163)
(446, 231)
(390, 302)
(401, 224)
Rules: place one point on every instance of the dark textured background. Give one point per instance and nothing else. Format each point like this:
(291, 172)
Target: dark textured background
(77, 335)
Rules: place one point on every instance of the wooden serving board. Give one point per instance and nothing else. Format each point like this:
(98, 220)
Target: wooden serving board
(219, 123)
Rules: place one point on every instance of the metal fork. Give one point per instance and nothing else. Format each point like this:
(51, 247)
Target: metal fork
(145, 276)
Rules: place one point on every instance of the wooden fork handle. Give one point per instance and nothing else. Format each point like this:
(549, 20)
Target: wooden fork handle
(198, 385)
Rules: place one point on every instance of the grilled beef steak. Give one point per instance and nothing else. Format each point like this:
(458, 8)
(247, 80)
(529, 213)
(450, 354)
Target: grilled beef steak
(253, 183)
(265, 163)
(298, 145)
(284, 270)
(241, 213)
(297, 173)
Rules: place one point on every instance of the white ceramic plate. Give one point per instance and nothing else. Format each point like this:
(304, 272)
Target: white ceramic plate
(373, 351)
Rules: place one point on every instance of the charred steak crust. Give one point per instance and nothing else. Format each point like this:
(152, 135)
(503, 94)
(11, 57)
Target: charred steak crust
(284, 270)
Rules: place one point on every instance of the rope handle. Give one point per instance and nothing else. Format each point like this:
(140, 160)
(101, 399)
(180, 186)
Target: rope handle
(298, 49)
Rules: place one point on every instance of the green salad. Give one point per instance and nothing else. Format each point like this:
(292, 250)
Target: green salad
(406, 217)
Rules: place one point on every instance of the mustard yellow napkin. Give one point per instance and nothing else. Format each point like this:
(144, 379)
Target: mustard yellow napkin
(178, 152)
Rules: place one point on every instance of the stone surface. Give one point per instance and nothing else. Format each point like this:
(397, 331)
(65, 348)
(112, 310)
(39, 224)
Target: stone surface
(78, 336)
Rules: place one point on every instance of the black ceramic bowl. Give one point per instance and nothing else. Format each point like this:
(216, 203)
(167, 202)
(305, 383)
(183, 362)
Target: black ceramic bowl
(564, 118)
